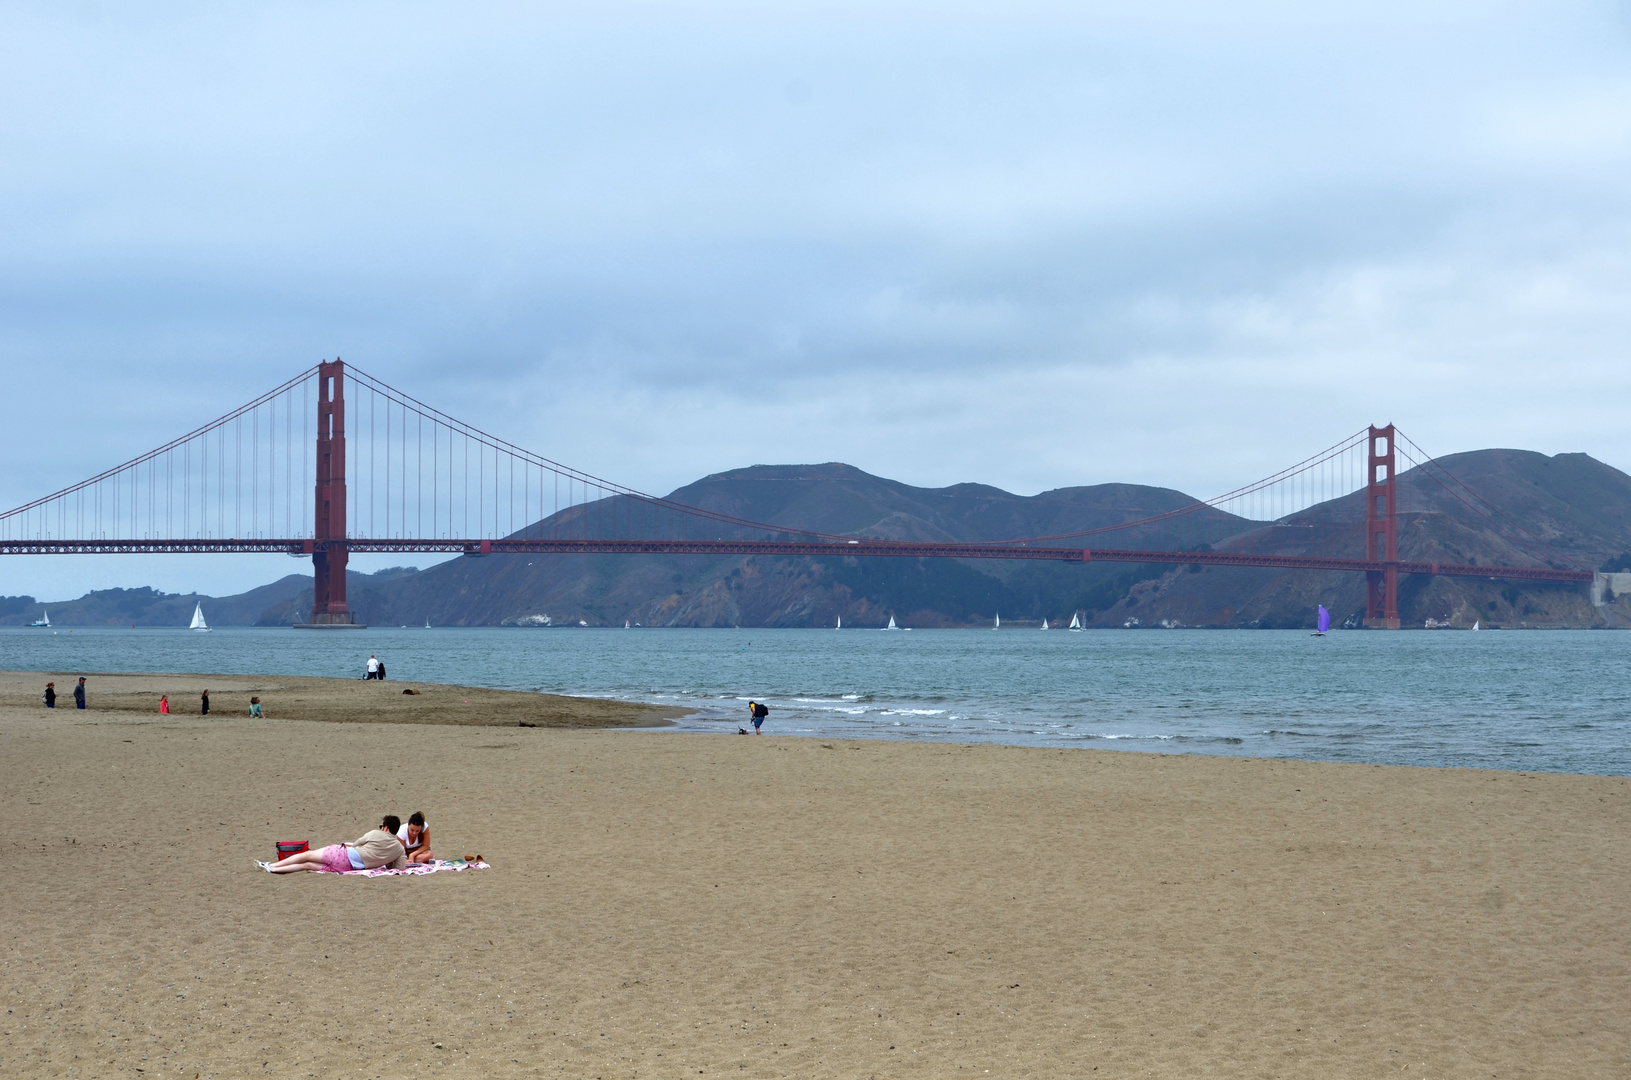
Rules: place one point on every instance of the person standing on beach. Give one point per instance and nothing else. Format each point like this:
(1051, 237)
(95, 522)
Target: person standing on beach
(50, 696)
(373, 667)
(380, 674)
(79, 694)
(164, 704)
(204, 703)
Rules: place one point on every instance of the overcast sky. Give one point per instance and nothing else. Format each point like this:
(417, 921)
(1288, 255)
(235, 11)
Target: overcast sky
(1032, 245)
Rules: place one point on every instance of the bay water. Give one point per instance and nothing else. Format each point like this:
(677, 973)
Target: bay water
(1529, 700)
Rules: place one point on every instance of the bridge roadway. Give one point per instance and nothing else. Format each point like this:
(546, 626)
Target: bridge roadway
(873, 548)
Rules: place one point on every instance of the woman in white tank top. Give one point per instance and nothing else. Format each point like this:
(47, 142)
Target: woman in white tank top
(415, 837)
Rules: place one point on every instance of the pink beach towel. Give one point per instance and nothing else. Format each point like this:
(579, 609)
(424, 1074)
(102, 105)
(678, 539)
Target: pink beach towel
(415, 869)
(335, 861)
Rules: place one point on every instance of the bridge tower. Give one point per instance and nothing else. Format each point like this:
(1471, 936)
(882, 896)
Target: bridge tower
(1382, 531)
(329, 554)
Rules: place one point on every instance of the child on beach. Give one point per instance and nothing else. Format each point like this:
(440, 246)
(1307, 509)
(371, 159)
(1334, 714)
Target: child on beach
(164, 704)
(255, 708)
(50, 695)
(415, 837)
(375, 848)
(204, 700)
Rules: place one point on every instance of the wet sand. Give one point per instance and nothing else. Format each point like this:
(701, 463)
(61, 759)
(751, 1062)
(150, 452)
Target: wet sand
(665, 904)
(332, 700)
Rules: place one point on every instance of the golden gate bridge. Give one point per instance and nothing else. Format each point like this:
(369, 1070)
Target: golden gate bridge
(306, 470)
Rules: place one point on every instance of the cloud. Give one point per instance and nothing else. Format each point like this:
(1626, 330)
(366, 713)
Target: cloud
(1032, 245)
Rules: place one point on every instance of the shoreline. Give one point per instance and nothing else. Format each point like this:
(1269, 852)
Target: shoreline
(131, 695)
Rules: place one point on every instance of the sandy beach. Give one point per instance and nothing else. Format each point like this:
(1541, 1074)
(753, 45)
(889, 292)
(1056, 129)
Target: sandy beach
(664, 904)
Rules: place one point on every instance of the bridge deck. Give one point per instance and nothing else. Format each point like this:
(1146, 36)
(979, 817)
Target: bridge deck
(867, 548)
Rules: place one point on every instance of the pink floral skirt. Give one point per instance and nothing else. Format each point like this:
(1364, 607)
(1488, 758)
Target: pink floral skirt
(335, 860)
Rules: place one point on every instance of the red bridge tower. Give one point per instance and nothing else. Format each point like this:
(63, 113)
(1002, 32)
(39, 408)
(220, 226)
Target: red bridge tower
(329, 554)
(1382, 531)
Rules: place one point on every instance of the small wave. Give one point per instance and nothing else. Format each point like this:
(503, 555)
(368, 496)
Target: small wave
(1227, 740)
(835, 707)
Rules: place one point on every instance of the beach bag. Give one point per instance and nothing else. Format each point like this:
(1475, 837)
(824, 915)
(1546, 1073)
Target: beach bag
(285, 848)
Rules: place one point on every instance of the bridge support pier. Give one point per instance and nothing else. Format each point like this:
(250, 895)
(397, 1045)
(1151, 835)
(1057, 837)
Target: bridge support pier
(1382, 531)
(329, 554)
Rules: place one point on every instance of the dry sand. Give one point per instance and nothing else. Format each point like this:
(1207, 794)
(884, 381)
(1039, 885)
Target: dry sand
(665, 905)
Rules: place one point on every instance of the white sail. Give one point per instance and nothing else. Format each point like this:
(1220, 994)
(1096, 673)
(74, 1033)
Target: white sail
(1044, 624)
(1075, 623)
(840, 625)
(1475, 624)
(198, 618)
(891, 625)
(998, 624)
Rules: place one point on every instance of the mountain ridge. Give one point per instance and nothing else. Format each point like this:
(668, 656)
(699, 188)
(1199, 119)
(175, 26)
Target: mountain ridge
(1574, 508)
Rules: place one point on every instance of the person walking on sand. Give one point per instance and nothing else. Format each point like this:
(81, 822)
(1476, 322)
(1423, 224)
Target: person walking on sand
(373, 667)
(50, 695)
(758, 711)
(415, 837)
(164, 704)
(204, 703)
(255, 708)
(375, 848)
(79, 694)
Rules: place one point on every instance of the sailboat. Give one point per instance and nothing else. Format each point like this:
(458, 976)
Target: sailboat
(840, 625)
(198, 618)
(1075, 623)
(626, 624)
(1044, 624)
(998, 624)
(891, 625)
(427, 622)
(1475, 625)
(1324, 622)
(44, 621)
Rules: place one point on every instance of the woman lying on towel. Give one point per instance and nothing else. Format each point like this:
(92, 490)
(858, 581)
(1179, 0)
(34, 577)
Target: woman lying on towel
(377, 847)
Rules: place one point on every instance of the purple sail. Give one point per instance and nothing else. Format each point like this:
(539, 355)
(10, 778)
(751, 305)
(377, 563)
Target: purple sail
(1325, 619)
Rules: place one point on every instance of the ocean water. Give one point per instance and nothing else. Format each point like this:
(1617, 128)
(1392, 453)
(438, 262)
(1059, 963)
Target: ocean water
(1531, 700)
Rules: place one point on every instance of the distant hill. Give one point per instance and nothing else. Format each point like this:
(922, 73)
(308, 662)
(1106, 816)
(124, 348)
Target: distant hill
(663, 590)
(1577, 508)
(146, 607)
